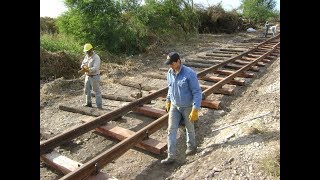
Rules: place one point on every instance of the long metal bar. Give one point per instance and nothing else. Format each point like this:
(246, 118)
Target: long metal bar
(213, 68)
(116, 151)
(74, 132)
(227, 79)
(83, 128)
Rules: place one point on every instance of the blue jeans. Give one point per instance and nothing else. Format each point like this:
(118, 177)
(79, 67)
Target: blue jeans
(92, 83)
(175, 115)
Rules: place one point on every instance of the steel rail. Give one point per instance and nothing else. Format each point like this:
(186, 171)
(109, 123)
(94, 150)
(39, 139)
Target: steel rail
(227, 79)
(76, 131)
(116, 151)
(213, 68)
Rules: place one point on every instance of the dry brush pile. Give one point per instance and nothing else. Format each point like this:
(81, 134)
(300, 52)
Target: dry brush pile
(56, 65)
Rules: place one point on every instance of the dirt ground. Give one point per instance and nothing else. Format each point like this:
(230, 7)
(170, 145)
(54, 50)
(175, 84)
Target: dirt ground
(249, 150)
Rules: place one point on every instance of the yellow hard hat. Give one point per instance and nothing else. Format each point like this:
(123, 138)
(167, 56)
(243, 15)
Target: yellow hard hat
(87, 47)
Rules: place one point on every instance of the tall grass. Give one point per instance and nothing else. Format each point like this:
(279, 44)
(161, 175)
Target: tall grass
(271, 164)
(60, 42)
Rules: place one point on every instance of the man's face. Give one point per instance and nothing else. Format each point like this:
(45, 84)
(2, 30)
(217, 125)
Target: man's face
(90, 52)
(175, 65)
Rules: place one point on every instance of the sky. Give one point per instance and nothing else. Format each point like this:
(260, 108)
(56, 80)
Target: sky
(54, 8)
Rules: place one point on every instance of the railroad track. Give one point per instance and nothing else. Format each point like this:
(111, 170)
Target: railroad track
(226, 68)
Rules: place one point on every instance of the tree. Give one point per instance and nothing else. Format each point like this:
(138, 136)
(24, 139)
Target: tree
(125, 26)
(47, 25)
(98, 22)
(258, 10)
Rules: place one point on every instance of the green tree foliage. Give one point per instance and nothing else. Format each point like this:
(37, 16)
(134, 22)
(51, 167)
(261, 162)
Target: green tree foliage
(125, 26)
(258, 10)
(97, 22)
(48, 25)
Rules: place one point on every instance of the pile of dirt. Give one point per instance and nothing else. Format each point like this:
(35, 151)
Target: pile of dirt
(56, 65)
(61, 85)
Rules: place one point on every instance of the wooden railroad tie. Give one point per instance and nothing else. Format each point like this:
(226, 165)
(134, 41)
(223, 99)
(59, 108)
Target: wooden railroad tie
(119, 133)
(66, 165)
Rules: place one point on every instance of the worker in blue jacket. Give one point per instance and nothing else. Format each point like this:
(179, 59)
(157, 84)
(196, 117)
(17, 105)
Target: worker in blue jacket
(183, 103)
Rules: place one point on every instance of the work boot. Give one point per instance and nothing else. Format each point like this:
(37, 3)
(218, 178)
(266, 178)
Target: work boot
(190, 151)
(87, 105)
(168, 160)
(99, 107)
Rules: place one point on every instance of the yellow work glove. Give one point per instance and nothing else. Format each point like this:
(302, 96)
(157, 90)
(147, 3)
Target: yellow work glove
(84, 69)
(193, 116)
(168, 104)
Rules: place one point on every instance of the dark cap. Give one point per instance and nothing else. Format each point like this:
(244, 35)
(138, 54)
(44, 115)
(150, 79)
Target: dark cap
(172, 57)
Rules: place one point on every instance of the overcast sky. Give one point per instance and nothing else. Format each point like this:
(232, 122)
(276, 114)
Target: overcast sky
(54, 8)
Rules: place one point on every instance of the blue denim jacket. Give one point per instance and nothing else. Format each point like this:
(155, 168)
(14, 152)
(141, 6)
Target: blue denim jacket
(184, 89)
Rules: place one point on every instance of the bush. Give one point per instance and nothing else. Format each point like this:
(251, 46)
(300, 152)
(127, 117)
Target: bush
(60, 42)
(215, 19)
(48, 25)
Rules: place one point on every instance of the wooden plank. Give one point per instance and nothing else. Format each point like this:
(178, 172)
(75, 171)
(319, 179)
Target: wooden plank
(232, 50)
(198, 65)
(223, 90)
(228, 72)
(265, 60)
(119, 133)
(248, 58)
(118, 150)
(83, 128)
(149, 111)
(218, 55)
(219, 84)
(217, 79)
(254, 55)
(224, 52)
(210, 104)
(209, 57)
(234, 66)
(65, 165)
(115, 97)
(128, 83)
(59, 162)
(205, 61)
(83, 110)
(245, 62)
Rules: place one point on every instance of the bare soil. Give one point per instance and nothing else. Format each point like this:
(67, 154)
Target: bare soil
(250, 150)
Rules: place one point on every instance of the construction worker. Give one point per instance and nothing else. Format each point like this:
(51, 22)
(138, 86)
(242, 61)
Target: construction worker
(266, 26)
(274, 30)
(91, 67)
(183, 104)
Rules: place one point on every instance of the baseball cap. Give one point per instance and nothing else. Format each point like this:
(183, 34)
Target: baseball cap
(172, 57)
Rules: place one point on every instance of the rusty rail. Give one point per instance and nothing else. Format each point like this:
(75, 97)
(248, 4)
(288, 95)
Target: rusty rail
(227, 79)
(216, 67)
(74, 132)
(116, 151)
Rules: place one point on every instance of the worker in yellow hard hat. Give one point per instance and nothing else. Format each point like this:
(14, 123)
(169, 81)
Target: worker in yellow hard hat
(91, 67)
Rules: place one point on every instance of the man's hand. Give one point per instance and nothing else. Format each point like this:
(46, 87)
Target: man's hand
(168, 104)
(84, 69)
(193, 117)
